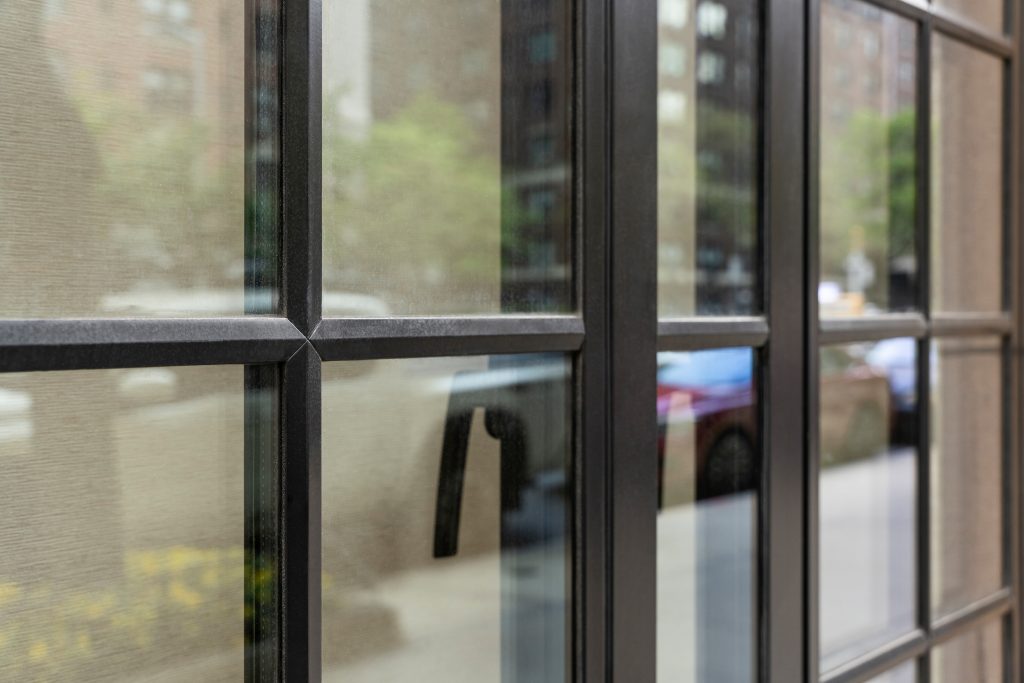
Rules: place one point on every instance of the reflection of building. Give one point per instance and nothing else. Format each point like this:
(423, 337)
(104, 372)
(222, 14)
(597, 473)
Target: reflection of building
(708, 98)
(869, 86)
(876, 70)
(508, 73)
(173, 58)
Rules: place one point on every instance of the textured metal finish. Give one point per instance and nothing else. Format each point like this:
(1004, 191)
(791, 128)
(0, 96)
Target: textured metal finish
(86, 344)
(363, 338)
(709, 333)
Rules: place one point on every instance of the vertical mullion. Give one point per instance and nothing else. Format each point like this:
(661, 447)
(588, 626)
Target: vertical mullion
(791, 257)
(300, 523)
(632, 330)
(923, 228)
(591, 568)
(301, 161)
(1016, 303)
(301, 274)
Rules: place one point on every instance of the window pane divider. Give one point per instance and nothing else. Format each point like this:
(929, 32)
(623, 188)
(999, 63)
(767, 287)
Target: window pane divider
(970, 33)
(962, 324)
(687, 334)
(866, 667)
(365, 338)
(965, 619)
(872, 328)
(62, 344)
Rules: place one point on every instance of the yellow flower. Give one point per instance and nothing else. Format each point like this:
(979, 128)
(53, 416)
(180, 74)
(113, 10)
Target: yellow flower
(145, 563)
(38, 651)
(8, 592)
(185, 596)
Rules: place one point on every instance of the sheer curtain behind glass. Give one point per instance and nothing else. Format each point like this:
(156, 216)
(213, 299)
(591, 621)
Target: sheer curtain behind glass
(123, 525)
(123, 157)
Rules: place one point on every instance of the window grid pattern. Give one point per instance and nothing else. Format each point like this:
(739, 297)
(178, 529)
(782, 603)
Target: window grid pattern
(614, 341)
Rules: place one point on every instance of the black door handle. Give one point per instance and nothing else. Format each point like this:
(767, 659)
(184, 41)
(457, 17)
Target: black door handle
(502, 423)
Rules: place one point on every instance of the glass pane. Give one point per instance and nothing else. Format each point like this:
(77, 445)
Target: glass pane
(867, 495)
(868, 169)
(986, 13)
(967, 178)
(445, 520)
(709, 459)
(905, 673)
(446, 157)
(976, 657)
(123, 525)
(967, 472)
(708, 102)
(125, 188)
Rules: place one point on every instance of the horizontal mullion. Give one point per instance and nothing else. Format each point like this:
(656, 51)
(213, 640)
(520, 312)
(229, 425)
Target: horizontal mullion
(911, 9)
(872, 328)
(64, 344)
(949, 23)
(962, 324)
(971, 33)
(369, 338)
(690, 334)
(963, 620)
(879, 661)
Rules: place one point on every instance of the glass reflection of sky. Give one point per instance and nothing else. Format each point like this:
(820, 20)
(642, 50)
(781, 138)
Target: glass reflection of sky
(711, 368)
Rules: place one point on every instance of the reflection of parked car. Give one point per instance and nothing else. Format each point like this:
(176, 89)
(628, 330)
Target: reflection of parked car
(713, 393)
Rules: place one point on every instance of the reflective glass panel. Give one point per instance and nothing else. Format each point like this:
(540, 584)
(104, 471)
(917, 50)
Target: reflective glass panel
(445, 520)
(987, 13)
(967, 472)
(905, 673)
(709, 459)
(967, 178)
(123, 525)
(708, 102)
(446, 157)
(867, 494)
(867, 170)
(976, 657)
(125, 189)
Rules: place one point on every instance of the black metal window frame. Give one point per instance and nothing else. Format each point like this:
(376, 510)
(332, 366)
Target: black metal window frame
(613, 338)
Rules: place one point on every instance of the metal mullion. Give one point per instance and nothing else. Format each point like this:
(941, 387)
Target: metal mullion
(787, 584)
(922, 527)
(1016, 302)
(301, 155)
(919, 642)
(300, 561)
(916, 10)
(872, 328)
(872, 664)
(367, 338)
(963, 620)
(632, 328)
(593, 539)
(34, 345)
(971, 34)
(709, 333)
(301, 259)
(969, 324)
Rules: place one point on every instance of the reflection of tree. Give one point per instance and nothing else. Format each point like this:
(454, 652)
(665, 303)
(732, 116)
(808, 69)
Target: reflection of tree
(868, 184)
(173, 205)
(413, 203)
(707, 206)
